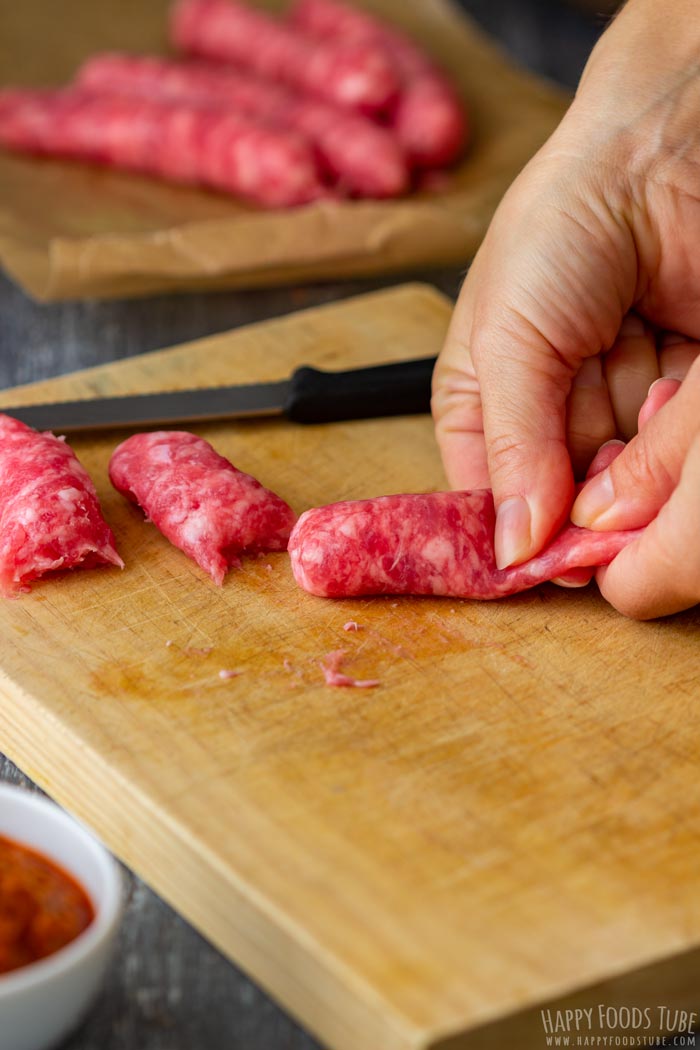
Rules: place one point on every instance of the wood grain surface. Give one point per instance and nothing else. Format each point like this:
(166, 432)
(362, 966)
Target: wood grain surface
(510, 818)
(168, 987)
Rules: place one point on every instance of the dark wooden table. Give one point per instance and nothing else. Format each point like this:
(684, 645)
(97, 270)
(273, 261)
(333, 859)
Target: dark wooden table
(168, 989)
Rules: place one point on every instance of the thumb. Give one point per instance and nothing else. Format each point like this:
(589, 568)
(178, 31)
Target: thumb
(659, 573)
(630, 493)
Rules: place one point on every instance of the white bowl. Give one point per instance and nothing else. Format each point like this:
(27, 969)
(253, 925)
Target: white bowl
(40, 1004)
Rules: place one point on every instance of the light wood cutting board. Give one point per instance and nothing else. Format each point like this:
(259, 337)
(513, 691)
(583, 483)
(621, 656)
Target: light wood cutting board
(512, 817)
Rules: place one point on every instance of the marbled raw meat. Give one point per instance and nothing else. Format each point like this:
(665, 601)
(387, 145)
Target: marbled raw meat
(428, 116)
(199, 500)
(357, 74)
(438, 543)
(182, 142)
(364, 158)
(50, 516)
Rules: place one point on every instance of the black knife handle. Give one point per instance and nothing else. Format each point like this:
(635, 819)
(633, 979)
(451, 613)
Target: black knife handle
(399, 389)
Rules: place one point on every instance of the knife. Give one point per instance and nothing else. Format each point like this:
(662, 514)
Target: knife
(310, 395)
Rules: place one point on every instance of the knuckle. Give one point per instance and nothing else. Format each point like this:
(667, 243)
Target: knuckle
(454, 380)
(645, 469)
(591, 436)
(512, 459)
(455, 401)
(506, 453)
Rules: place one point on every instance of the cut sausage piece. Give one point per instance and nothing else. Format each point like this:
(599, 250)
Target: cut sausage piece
(357, 74)
(363, 157)
(173, 140)
(50, 516)
(429, 117)
(440, 543)
(198, 500)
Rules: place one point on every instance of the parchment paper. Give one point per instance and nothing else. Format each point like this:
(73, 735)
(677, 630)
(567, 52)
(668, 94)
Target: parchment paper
(70, 231)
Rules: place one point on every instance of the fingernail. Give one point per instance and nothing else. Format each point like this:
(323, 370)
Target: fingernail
(605, 455)
(590, 373)
(512, 539)
(632, 325)
(612, 441)
(660, 392)
(675, 380)
(594, 501)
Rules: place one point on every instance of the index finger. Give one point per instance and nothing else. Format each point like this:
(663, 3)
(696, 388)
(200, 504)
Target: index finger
(456, 402)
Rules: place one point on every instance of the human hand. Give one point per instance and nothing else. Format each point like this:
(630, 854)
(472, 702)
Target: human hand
(654, 482)
(604, 219)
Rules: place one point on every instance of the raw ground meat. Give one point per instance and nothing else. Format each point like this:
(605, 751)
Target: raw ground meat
(428, 116)
(362, 157)
(199, 500)
(50, 516)
(331, 667)
(438, 543)
(182, 142)
(357, 74)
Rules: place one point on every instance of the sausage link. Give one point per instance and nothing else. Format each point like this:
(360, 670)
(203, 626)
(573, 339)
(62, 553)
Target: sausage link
(362, 157)
(182, 142)
(440, 543)
(357, 74)
(429, 117)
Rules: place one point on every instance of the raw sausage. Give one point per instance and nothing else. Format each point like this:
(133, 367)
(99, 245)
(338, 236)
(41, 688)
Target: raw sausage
(198, 500)
(357, 74)
(364, 158)
(429, 117)
(50, 516)
(183, 142)
(440, 543)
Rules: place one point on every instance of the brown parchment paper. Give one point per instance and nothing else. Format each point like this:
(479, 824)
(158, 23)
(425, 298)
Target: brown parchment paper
(71, 231)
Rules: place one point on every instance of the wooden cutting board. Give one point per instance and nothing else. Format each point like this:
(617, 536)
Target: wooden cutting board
(510, 818)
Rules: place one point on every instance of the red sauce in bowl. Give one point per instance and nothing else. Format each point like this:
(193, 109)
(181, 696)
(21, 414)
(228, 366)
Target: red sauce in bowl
(42, 907)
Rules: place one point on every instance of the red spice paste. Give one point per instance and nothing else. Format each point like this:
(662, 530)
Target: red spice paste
(42, 908)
